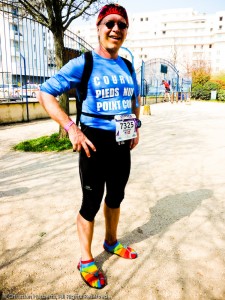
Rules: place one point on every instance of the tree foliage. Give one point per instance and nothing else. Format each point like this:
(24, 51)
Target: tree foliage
(219, 78)
(61, 13)
(203, 84)
(200, 76)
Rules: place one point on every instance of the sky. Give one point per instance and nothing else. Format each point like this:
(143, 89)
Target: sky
(138, 6)
(202, 6)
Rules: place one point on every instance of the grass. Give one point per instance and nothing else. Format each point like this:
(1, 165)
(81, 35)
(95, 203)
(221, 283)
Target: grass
(44, 144)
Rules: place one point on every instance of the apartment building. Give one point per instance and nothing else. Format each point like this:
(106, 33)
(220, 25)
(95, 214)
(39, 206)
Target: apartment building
(184, 37)
(27, 52)
(25, 48)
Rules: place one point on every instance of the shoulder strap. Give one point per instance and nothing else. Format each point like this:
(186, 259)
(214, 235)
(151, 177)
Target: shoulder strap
(129, 65)
(130, 68)
(88, 66)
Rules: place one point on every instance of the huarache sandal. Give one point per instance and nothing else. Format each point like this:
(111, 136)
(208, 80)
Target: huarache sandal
(91, 275)
(120, 250)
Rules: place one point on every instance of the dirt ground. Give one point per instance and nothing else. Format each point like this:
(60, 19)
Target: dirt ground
(173, 214)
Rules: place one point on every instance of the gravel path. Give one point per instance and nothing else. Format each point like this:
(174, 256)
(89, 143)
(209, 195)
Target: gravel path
(173, 213)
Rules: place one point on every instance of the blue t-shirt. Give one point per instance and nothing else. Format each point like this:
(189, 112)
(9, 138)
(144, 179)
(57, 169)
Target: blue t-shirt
(109, 92)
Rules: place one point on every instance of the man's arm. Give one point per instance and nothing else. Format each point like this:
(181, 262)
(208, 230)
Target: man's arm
(76, 136)
(136, 111)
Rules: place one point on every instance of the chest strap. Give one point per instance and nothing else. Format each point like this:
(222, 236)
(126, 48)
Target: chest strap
(104, 117)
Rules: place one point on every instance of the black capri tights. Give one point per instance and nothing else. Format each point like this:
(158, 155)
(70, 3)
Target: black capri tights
(108, 167)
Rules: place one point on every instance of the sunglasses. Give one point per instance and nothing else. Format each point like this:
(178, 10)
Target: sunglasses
(111, 24)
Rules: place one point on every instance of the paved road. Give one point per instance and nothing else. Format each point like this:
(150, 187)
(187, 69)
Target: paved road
(173, 214)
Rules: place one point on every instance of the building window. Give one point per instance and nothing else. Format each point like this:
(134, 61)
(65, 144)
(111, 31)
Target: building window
(194, 46)
(221, 18)
(16, 45)
(210, 46)
(141, 19)
(201, 46)
(220, 27)
(211, 29)
(164, 32)
(146, 19)
(14, 27)
(15, 11)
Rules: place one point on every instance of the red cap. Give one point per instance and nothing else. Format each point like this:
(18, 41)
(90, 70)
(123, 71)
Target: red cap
(110, 9)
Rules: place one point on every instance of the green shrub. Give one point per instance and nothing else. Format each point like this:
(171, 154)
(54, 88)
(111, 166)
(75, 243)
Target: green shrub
(221, 95)
(208, 87)
(196, 91)
(203, 91)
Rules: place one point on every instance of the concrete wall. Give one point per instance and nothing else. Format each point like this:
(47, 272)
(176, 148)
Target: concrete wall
(17, 111)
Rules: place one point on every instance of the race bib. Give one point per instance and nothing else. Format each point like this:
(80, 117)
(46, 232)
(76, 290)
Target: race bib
(125, 127)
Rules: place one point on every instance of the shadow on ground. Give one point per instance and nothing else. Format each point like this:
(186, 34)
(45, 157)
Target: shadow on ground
(165, 213)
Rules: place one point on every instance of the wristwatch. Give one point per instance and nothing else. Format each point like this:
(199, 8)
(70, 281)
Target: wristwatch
(138, 123)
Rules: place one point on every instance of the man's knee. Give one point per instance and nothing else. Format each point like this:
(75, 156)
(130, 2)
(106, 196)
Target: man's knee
(114, 201)
(90, 207)
(89, 213)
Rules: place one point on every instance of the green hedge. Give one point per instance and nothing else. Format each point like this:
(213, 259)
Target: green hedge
(221, 95)
(203, 91)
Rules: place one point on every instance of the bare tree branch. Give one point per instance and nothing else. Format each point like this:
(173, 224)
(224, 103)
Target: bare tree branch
(51, 13)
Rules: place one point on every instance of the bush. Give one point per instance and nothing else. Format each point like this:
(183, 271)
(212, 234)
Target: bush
(212, 86)
(196, 91)
(221, 95)
(203, 91)
(208, 87)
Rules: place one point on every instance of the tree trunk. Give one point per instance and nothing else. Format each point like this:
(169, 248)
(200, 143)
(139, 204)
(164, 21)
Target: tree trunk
(60, 61)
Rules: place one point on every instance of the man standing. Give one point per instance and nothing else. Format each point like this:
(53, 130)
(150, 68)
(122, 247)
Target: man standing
(109, 131)
(167, 90)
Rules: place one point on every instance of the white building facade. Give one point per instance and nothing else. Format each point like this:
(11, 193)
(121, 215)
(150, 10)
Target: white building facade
(184, 37)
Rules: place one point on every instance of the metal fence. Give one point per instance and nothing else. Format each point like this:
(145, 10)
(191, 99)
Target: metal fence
(27, 53)
(150, 75)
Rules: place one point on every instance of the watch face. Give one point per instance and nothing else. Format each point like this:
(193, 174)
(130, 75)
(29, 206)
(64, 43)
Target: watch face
(138, 123)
